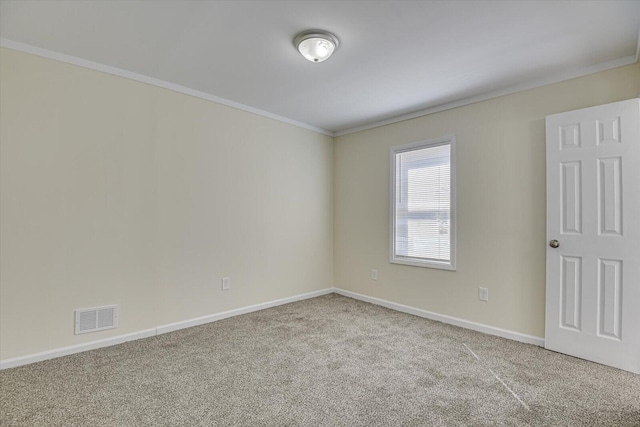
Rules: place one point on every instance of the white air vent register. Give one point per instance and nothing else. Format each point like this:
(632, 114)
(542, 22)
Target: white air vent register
(96, 319)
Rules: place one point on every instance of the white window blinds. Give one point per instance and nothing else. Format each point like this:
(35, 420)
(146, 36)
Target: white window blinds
(422, 217)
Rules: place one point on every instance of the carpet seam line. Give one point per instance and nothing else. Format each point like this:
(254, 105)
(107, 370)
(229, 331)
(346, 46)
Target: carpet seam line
(511, 391)
(498, 378)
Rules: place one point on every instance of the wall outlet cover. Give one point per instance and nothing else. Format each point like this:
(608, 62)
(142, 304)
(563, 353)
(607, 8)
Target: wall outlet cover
(226, 283)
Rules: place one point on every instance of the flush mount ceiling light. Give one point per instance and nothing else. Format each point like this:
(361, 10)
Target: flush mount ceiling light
(316, 45)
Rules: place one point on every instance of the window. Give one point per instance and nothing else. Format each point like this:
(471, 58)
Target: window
(423, 220)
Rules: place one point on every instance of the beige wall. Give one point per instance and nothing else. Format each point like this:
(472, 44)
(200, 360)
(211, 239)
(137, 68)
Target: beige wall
(117, 192)
(500, 204)
(113, 191)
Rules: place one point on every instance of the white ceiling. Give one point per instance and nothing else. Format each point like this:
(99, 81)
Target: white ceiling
(395, 57)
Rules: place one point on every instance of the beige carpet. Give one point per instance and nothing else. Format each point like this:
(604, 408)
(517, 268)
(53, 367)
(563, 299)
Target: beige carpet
(328, 361)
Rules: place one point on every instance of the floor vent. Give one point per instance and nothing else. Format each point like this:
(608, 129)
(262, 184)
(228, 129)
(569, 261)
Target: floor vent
(96, 319)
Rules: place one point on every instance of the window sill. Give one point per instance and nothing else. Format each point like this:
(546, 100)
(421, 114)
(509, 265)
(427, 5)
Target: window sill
(423, 263)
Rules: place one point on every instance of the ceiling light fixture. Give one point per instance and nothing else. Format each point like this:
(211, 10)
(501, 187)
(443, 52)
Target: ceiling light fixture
(316, 45)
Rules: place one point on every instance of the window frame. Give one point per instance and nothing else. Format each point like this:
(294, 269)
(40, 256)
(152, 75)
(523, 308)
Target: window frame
(417, 262)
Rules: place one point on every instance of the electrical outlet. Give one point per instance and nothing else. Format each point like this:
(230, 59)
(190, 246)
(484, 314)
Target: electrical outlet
(226, 283)
(483, 294)
(374, 274)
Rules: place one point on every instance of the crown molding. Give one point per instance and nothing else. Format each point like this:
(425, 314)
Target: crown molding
(556, 78)
(46, 53)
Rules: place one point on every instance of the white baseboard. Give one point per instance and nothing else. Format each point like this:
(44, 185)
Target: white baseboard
(92, 345)
(491, 330)
(78, 348)
(238, 311)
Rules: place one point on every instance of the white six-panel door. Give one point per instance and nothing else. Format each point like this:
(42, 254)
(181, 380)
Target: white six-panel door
(593, 217)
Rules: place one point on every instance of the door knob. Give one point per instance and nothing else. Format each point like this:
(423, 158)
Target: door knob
(554, 243)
